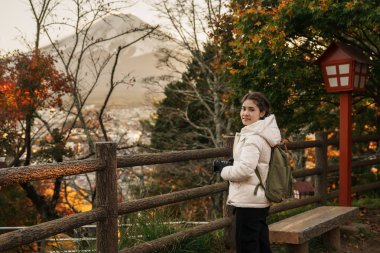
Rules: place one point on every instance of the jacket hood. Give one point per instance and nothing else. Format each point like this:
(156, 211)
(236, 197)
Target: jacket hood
(266, 128)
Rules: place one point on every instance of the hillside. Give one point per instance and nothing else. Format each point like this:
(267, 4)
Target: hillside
(139, 60)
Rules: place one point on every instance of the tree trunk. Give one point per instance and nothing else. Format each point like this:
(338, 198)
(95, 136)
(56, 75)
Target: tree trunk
(45, 208)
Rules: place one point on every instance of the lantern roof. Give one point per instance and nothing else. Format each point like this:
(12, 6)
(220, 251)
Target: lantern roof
(340, 51)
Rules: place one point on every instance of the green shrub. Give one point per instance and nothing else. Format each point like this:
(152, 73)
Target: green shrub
(153, 224)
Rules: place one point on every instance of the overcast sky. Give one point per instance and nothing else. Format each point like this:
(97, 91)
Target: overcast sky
(16, 20)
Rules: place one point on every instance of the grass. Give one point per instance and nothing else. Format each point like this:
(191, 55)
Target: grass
(370, 200)
(150, 225)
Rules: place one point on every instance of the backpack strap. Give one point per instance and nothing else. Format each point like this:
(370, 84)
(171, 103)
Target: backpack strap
(260, 184)
(258, 174)
(283, 145)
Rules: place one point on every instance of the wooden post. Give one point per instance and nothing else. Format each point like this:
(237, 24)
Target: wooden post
(332, 238)
(42, 245)
(298, 248)
(106, 197)
(345, 152)
(229, 232)
(321, 163)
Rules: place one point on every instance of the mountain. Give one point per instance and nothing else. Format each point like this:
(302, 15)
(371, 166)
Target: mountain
(140, 60)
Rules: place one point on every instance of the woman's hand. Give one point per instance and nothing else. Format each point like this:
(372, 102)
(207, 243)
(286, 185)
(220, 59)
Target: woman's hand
(218, 164)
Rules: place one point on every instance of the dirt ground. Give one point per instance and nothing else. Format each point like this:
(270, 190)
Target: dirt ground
(367, 239)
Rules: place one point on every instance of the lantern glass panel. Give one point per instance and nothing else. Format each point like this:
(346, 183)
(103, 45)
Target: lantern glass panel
(344, 81)
(357, 67)
(333, 82)
(364, 69)
(356, 81)
(362, 81)
(331, 70)
(344, 68)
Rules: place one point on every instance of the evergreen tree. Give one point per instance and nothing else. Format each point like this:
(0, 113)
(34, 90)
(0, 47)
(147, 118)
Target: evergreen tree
(193, 113)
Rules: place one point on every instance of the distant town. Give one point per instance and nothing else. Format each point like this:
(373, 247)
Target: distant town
(122, 125)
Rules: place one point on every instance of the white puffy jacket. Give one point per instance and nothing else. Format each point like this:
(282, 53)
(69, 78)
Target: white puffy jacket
(252, 148)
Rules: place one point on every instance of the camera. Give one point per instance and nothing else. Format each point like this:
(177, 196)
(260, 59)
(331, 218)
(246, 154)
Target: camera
(218, 164)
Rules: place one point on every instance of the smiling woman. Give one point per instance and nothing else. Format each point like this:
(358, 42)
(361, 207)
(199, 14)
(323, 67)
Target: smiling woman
(251, 153)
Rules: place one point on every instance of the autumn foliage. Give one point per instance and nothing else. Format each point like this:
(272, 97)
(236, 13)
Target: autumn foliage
(28, 82)
(272, 47)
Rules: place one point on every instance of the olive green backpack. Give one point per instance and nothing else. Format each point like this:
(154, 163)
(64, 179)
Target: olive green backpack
(279, 184)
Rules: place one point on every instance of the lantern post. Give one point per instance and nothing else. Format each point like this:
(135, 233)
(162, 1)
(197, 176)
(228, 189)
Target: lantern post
(344, 70)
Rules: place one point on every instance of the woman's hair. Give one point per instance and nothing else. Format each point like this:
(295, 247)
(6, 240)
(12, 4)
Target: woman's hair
(260, 100)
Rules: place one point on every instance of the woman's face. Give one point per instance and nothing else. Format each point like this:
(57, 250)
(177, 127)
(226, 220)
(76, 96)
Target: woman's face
(250, 112)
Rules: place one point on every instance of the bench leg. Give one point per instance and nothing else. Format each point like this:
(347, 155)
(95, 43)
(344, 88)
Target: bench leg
(298, 248)
(332, 237)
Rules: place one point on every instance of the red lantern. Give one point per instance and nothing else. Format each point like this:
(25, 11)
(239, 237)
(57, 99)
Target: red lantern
(344, 68)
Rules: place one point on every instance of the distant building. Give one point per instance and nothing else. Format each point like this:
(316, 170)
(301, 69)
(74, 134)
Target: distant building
(303, 189)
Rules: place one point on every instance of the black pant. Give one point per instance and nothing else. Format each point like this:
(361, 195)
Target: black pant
(252, 233)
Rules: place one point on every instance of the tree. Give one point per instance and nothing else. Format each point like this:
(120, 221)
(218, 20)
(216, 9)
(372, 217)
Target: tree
(186, 117)
(41, 10)
(30, 82)
(275, 45)
(196, 101)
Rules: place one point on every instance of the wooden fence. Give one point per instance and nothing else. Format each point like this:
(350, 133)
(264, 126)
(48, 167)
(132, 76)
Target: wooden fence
(107, 209)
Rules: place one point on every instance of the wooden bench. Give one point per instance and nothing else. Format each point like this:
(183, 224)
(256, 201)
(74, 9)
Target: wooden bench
(296, 231)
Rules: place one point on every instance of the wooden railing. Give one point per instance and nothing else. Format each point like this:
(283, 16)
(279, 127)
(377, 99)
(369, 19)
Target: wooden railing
(106, 208)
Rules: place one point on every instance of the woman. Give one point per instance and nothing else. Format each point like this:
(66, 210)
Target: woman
(252, 150)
